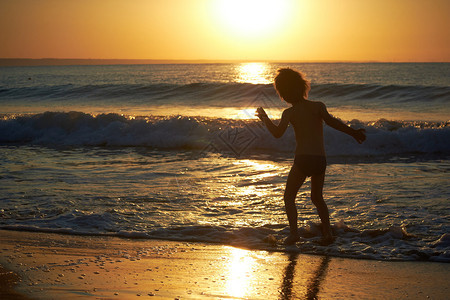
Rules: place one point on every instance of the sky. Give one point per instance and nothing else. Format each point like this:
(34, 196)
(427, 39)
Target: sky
(256, 30)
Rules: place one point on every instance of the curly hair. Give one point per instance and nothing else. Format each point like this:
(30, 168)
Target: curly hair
(290, 84)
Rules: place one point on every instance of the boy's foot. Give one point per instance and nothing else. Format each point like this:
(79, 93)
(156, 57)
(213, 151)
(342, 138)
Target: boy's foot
(326, 240)
(291, 239)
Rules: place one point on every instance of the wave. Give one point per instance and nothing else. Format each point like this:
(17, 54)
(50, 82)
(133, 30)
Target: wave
(237, 137)
(153, 93)
(235, 94)
(396, 93)
(392, 243)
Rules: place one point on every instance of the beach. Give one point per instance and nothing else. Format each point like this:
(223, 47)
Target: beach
(55, 266)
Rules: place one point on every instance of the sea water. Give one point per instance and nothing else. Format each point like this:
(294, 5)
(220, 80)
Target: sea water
(175, 152)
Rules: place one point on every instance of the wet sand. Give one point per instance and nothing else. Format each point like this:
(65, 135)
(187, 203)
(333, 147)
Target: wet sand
(54, 266)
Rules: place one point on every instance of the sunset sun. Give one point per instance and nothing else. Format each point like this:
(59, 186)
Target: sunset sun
(251, 17)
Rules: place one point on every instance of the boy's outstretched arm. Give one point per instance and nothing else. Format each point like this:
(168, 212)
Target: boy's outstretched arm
(276, 130)
(358, 134)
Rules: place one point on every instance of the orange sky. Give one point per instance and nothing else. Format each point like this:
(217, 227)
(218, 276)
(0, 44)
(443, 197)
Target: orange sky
(295, 30)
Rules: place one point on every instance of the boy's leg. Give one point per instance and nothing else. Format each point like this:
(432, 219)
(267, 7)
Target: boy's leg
(293, 184)
(317, 198)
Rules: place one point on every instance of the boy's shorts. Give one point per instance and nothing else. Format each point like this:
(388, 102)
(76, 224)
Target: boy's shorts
(310, 165)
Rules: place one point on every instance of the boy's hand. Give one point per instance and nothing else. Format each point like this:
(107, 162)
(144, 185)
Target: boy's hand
(261, 114)
(359, 135)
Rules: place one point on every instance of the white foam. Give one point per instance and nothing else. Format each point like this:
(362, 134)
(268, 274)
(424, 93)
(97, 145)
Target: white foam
(80, 129)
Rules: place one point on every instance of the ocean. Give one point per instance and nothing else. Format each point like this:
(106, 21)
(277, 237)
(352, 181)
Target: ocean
(174, 151)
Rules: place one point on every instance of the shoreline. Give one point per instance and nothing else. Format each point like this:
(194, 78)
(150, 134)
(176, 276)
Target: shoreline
(55, 266)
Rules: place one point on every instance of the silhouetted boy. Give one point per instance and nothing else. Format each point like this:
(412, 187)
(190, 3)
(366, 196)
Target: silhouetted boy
(307, 118)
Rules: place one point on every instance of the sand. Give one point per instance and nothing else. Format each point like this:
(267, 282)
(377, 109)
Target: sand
(54, 266)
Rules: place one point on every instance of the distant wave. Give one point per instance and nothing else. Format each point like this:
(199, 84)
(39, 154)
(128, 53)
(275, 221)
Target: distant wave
(216, 93)
(396, 93)
(193, 92)
(221, 135)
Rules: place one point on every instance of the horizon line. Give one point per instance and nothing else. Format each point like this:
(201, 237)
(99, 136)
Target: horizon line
(137, 61)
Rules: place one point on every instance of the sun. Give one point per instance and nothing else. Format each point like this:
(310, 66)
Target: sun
(252, 17)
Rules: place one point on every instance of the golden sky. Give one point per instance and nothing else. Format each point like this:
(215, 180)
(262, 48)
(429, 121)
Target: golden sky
(258, 30)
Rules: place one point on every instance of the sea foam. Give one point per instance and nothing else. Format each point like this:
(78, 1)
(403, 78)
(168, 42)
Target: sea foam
(176, 132)
(391, 243)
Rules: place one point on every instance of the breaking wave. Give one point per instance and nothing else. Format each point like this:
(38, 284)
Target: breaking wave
(221, 135)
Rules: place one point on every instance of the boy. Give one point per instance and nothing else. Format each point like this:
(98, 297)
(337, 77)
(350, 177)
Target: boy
(307, 119)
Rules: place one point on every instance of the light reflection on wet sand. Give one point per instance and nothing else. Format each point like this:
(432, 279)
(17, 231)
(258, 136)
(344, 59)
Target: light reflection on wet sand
(301, 277)
(240, 265)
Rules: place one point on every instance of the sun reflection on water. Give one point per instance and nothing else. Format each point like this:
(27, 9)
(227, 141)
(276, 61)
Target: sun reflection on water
(255, 73)
(257, 165)
(259, 170)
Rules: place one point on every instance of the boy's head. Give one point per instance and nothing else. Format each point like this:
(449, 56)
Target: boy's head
(291, 85)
